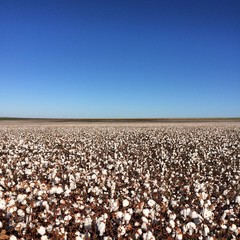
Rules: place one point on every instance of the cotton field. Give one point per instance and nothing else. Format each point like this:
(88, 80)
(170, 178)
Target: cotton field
(120, 181)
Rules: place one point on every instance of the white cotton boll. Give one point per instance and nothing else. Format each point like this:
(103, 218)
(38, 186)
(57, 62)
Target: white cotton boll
(101, 228)
(28, 210)
(233, 228)
(189, 227)
(21, 213)
(105, 216)
(28, 171)
(138, 233)
(126, 217)
(59, 190)
(41, 230)
(169, 230)
(1, 225)
(205, 231)
(78, 176)
(121, 231)
(125, 203)
(146, 212)
(21, 198)
(49, 228)
(39, 193)
(53, 190)
(12, 237)
(223, 226)
(147, 185)
(45, 204)
(144, 226)
(204, 195)
(57, 180)
(79, 238)
(104, 172)
(148, 236)
(144, 219)
(185, 212)
(172, 216)
(20, 226)
(44, 237)
(193, 214)
(237, 200)
(88, 223)
(151, 203)
(174, 203)
(172, 223)
(67, 218)
(2, 204)
(206, 213)
(67, 193)
(179, 236)
(107, 238)
(130, 211)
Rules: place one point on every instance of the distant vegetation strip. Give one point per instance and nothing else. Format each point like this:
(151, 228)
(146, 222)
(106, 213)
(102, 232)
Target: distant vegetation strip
(128, 120)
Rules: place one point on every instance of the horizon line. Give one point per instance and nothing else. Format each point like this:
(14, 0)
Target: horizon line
(163, 119)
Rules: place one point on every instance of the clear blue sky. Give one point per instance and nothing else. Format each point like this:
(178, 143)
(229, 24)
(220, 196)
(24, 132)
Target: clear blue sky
(120, 58)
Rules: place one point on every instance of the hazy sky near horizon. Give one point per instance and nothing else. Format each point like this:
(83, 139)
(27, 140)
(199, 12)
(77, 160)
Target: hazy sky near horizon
(128, 58)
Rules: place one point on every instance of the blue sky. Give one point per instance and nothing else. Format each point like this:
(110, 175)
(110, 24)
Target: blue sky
(61, 58)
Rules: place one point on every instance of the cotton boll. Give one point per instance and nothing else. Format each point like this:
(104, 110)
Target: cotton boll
(206, 213)
(101, 228)
(233, 228)
(144, 226)
(59, 190)
(45, 204)
(12, 237)
(67, 218)
(49, 228)
(125, 203)
(144, 219)
(87, 223)
(20, 226)
(126, 217)
(169, 230)
(44, 237)
(138, 233)
(2, 204)
(237, 200)
(148, 236)
(151, 203)
(179, 235)
(193, 214)
(190, 227)
(114, 205)
(146, 212)
(172, 223)
(205, 231)
(185, 212)
(121, 231)
(41, 230)
(80, 238)
(21, 213)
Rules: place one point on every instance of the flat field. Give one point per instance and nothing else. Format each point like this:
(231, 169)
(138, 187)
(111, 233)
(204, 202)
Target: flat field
(72, 180)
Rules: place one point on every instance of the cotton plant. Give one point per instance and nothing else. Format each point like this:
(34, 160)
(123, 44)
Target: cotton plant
(134, 182)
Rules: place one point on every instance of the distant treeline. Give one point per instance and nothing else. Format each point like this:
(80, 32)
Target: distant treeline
(127, 120)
